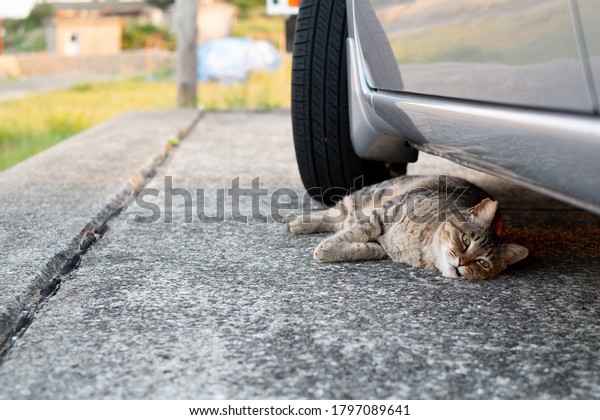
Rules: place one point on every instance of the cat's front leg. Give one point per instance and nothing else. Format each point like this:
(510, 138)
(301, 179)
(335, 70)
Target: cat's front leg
(351, 244)
(327, 220)
(328, 252)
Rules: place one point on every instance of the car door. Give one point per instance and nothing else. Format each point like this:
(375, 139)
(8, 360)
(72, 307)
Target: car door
(516, 52)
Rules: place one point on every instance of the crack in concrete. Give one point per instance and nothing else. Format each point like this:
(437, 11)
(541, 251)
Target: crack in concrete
(93, 231)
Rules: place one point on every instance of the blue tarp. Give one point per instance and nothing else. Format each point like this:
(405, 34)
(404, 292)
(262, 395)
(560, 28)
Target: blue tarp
(232, 59)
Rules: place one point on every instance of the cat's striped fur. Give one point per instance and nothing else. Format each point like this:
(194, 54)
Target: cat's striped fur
(438, 223)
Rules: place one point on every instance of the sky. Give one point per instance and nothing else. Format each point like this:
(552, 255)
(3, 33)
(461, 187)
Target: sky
(15, 8)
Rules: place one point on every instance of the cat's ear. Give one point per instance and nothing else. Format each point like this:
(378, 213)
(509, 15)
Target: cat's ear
(484, 212)
(513, 253)
(497, 224)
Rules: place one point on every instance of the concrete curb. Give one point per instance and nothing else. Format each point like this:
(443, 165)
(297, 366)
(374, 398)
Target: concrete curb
(54, 205)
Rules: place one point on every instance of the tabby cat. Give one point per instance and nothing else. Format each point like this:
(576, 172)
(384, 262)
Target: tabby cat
(438, 223)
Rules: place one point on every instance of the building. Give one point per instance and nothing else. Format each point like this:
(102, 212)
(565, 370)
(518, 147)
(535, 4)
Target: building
(94, 27)
(126, 8)
(74, 33)
(216, 19)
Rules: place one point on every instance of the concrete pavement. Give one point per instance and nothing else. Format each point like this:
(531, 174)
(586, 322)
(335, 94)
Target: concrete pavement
(190, 309)
(50, 201)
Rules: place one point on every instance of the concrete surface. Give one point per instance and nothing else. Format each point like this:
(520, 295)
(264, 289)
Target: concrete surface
(48, 202)
(240, 310)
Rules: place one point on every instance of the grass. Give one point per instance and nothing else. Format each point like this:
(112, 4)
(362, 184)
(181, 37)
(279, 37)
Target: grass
(28, 126)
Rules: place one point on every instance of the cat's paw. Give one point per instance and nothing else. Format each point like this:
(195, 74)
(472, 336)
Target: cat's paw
(300, 225)
(287, 220)
(325, 252)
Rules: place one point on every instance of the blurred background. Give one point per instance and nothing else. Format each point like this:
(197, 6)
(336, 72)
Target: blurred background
(66, 65)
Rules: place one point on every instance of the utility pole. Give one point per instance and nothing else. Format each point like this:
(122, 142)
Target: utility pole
(187, 64)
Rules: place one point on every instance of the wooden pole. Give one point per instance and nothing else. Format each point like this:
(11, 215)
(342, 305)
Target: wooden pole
(187, 64)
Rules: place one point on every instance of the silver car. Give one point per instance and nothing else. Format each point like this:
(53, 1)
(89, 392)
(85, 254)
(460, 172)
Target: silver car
(507, 87)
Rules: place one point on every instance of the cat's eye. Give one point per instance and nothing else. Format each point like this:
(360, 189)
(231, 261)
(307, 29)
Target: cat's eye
(466, 240)
(484, 264)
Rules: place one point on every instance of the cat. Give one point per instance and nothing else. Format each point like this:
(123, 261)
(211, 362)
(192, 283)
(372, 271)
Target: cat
(437, 223)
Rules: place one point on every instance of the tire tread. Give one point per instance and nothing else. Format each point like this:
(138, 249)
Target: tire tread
(320, 110)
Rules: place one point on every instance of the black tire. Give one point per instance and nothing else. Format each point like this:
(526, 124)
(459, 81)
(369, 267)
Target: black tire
(329, 167)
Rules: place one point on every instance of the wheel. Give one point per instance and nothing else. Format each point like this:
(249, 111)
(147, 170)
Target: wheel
(329, 167)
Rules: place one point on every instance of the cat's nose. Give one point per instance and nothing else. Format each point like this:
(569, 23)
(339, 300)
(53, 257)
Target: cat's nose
(461, 262)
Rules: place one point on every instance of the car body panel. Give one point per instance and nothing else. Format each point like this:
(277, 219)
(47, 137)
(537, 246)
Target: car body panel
(520, 52)
(589, 13)
(554, 151)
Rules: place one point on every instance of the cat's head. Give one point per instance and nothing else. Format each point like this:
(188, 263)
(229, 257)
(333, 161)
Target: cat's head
(471, 248)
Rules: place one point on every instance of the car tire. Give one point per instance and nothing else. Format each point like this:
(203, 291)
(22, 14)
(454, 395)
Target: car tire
(329, 167)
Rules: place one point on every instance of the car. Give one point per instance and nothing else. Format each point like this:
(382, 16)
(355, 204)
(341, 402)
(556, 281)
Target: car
(507, 87)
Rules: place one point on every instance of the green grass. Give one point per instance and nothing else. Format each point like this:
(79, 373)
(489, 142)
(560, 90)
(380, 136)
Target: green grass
(28, 126)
